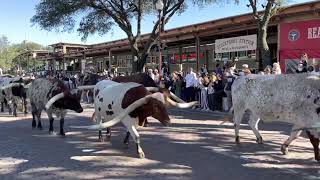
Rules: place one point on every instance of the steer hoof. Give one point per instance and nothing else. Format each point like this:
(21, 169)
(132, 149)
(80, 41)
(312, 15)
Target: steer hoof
(52, 133)
(62, 134)
(259, 140)
(141, 155)
(238, 140)
(284, 150)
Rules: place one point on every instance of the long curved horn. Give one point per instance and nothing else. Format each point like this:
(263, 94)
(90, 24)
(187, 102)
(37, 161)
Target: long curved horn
(128, 110)
(176, 98)
(26, 78)
(26, 86)
(181, 105)
(86, 87)
(152, 89)
(54, 99)
(10, 85)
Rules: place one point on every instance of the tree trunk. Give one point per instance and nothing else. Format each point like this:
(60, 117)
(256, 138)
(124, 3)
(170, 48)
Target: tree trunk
(263, 47)
(138, 59)
(137, 66)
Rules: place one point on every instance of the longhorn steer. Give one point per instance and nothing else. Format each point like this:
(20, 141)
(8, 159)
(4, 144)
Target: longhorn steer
(293, 99)
(12, 89)
(53, 97)
(106, 83)
(128, 103)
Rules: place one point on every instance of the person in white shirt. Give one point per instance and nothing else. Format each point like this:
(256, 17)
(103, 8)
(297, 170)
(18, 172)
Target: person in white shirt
(1, 73)
(276, 68)
(156, 76)
(190, 82)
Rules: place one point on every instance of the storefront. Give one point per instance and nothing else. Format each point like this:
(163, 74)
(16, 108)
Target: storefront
(297, 38)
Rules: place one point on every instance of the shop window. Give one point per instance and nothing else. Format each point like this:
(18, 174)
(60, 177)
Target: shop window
(252, 54)
(225, 56)
(242, 55)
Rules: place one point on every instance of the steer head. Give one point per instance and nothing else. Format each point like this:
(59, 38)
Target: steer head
(66, 100)
(158, 110)
(153, 107)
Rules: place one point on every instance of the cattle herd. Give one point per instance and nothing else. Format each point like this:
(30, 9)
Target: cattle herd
(293, 99)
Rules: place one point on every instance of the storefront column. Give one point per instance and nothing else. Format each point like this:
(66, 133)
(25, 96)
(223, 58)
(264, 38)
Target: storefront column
(180, 58)
(64, 64)
(197, 52)
(83, 63)
(110, 61)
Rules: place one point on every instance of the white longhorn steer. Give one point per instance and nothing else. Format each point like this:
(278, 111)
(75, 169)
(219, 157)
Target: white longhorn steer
(128, 103)
(53, 96)
(291, 98)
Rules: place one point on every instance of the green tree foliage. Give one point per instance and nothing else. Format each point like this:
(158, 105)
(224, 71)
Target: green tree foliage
(9, 58)
(7, 53)
(99, 16)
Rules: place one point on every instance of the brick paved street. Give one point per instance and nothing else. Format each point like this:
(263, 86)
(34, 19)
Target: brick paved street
(195, 146)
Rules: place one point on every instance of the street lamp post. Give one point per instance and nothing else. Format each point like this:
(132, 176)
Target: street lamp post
(159, 8)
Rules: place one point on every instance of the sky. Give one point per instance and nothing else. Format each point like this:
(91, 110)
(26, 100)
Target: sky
(15, 22)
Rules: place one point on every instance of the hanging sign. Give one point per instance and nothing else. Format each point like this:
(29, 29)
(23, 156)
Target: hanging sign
(240, 43)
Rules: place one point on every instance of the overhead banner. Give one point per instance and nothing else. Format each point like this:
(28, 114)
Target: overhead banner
(297, 38)
(240, 43)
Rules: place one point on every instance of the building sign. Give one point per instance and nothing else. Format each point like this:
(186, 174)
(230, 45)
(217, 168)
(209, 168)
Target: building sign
(300, 35)
(297, 38)
(190, 57)
(241, 43)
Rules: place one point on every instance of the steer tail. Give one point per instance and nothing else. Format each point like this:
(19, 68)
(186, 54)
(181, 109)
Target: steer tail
(228, 117)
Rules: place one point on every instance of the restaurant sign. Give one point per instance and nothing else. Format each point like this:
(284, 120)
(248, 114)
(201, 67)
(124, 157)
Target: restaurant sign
(240, 43)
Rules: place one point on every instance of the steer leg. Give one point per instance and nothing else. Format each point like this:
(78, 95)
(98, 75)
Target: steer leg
(237, 121)
(61, 126)
(126, 139)
(24, 101)
(14, 105)
(34, 123)
(108, 134)
(51, 122)
(129, 123)
(294, 134)
(253, 123)
(39, 120)
(9, 107)
(2, 104)
(315, 143)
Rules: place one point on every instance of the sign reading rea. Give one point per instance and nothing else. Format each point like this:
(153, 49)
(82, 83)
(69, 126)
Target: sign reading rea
(241, 43)
(300, 35)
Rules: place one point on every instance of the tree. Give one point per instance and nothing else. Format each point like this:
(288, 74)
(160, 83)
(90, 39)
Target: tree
(99, 16)
(6, 53)
(263, 19)
(23, 61)
(9, 53)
